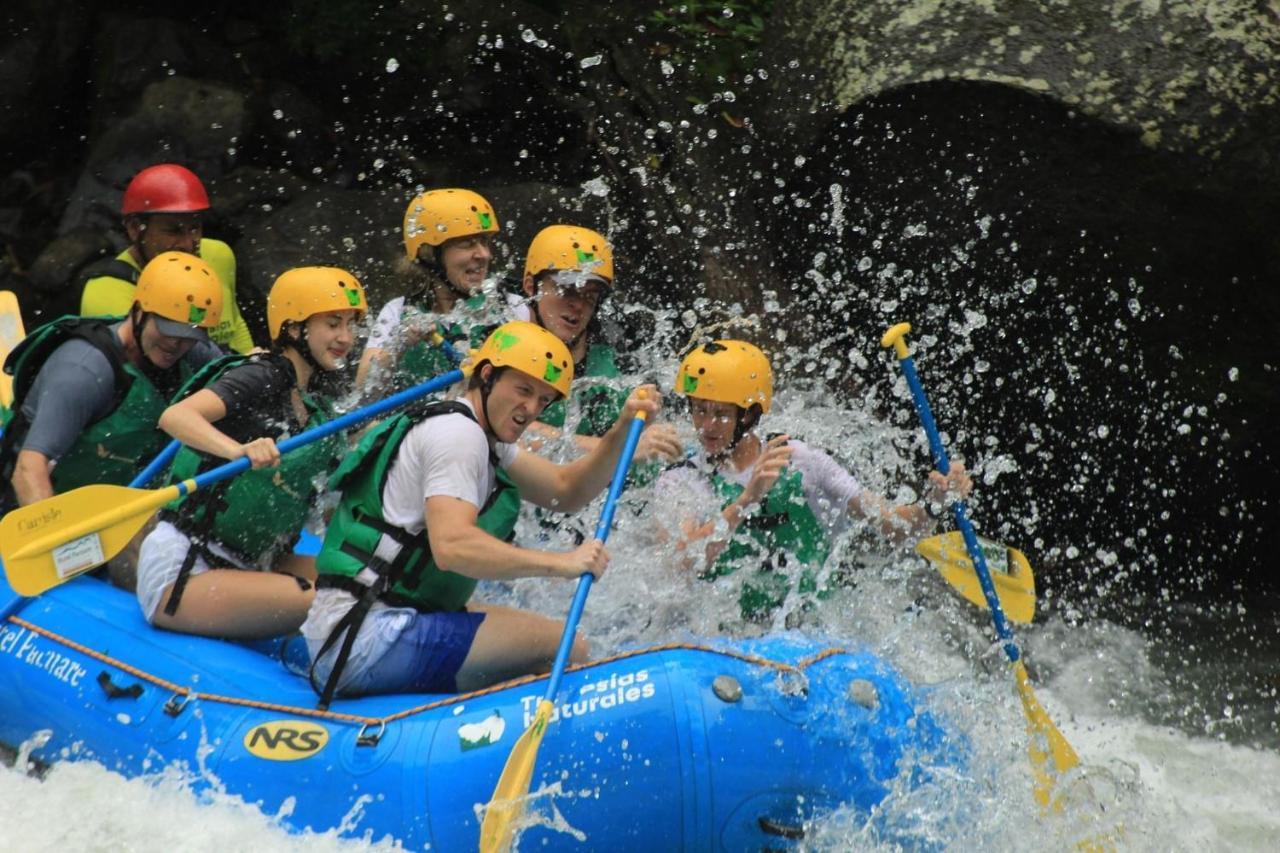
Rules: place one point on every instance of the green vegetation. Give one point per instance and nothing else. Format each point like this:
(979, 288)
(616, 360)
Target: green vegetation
(715, 38)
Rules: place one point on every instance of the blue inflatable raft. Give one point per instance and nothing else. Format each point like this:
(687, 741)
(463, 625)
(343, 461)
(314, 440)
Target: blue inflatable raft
(681, 747)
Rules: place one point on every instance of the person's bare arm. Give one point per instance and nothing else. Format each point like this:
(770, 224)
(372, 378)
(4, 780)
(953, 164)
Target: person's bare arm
(374, 362)
(459, 545)
(900, 523)
(571, 486)
(192, 420)
(32, 477)
(768, 468)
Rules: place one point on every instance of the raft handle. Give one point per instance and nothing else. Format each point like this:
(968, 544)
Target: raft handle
(113, 692)
(368, 738)
(177, 704)
(773, 827)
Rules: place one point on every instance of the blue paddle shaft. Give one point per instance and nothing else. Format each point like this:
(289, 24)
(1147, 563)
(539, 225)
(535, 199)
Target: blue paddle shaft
(325, 430)
(153, 469)
(943, 464)
(584, 582)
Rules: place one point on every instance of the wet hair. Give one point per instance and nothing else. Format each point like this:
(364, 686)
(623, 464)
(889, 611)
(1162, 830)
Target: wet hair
(478, 381)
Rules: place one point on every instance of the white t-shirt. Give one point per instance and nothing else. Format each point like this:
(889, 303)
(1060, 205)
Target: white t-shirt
(383, 334)
(828, 487)
(447, 455)
(518, 307)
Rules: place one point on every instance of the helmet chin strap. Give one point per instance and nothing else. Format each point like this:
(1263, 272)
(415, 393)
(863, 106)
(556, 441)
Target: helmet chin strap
(437, 267)
(744, 421)
(303, 347)
(486, 387)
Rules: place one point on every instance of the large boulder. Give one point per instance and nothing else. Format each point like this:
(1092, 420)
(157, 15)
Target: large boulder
(1186, 75)
(40, 59)
(179, 120)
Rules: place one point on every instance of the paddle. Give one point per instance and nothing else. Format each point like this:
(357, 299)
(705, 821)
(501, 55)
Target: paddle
(48, 542)
(1047, 743)
(11, 332)
(507, 803)
(145, 476)
(1014, 583)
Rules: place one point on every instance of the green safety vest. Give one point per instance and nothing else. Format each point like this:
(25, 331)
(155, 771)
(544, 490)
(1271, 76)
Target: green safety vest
(356, 527)
(114, 449)
(425, 360)
(260, 511)
(781, 535)
(599, 402)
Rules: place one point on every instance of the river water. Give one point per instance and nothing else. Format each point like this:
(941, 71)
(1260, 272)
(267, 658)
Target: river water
(1173, 712)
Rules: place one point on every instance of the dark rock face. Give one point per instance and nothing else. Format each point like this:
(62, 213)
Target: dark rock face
(177, 119)
(1188, 75)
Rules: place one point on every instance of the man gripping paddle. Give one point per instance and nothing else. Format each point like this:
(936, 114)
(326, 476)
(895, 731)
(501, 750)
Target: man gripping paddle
(88, 392)
(420, 523)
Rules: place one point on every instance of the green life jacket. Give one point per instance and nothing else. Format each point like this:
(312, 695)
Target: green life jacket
(259, 511)
(599, 402)
(112, 449)
(781, 535)
(425, 360)
(356, 527)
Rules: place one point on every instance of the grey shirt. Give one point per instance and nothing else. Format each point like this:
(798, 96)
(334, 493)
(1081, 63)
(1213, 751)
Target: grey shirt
(75, 388)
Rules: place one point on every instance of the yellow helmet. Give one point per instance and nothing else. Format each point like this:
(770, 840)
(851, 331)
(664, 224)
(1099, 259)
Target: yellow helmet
(569, 247)
(439, 215)
(530, 349)
(299, 293)
(727, 372)
(184, 294)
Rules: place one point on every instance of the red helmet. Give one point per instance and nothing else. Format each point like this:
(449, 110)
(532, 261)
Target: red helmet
(166, 188)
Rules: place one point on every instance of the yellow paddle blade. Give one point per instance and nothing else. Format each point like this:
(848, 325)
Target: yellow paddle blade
(507, 803)
(1010, 572)
(11, 332)
(1051, 755)
(51, 541)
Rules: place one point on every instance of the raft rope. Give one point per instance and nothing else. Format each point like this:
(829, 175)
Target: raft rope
(186, 694)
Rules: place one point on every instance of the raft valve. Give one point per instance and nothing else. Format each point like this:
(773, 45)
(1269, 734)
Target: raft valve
(727, 688)
(864, 693)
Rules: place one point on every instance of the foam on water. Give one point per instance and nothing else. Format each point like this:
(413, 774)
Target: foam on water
(83, 806)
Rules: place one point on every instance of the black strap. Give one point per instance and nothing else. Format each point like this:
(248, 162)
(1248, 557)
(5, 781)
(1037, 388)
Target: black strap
(114, 691)
(101, 337)
(196, 526)
(349, 626)
(105, 340)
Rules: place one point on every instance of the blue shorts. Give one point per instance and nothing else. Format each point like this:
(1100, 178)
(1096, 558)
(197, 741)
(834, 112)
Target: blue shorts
(427, 656)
